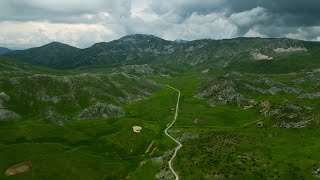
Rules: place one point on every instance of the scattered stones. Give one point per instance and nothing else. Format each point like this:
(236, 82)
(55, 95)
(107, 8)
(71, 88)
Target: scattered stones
(301, 124)
(187, 136)
(311, 95)
(237, 89)
(164, 174)
(288, 50)
(316, 172)
(101, 110)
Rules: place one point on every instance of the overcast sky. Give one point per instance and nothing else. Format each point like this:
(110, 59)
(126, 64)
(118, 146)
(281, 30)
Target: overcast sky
(29, 23)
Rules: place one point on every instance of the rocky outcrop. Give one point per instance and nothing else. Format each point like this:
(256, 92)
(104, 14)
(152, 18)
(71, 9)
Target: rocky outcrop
(288, 50)
(145, 70)
(56, 98)
(101, 110)
(222, 92)
(259, 56)
(7, 115)
(246, 91)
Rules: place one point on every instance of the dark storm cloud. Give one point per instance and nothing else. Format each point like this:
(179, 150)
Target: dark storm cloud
(22, 21)
(69, 11)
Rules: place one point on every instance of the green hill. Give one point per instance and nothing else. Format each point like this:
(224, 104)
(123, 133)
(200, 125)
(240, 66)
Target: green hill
(55, 55)
(249, 109)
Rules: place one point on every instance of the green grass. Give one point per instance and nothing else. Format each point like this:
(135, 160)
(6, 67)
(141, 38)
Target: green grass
(283, 64)
(91, 149)
(225, 147)
(228, 143)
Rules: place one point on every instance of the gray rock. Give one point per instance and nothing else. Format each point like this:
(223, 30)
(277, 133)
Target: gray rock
(101, 110)
(301, 124)
(7, 115)
(311, 95)
(260, 124)
(4, 96)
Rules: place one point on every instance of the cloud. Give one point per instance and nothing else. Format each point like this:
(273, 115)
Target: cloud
(197, 26)
(27, 23)
(253, 33)
(250, 17)
(38, 33)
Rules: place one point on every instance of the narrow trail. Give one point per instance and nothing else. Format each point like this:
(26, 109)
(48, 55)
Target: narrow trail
(166, 131)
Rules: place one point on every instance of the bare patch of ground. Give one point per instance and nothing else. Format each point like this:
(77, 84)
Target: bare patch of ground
(136, 129)
(153, 151)
(148, 149)
(143, 163)
(19, 168)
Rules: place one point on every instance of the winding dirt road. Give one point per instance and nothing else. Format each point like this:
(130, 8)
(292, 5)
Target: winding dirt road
(166, 131)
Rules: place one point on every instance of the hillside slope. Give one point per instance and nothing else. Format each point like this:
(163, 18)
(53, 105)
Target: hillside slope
(148, 49)
(54, 54)
(33, 92)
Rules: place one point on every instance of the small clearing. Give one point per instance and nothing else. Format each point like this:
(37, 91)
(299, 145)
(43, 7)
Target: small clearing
(19, 168)
(136, 129)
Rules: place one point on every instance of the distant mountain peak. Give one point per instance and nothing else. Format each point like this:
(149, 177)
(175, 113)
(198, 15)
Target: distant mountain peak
(181, 41)
(140, 38)
(57, 44)
(4, 50)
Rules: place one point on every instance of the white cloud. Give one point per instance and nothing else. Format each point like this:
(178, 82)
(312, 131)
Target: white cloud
(247, 18)
(22, 34)
(299, 34)
(64, 5)
(197, 26)
(27, 23)
(253, 33)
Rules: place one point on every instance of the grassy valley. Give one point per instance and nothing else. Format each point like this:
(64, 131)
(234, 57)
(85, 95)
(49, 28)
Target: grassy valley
(248, 110)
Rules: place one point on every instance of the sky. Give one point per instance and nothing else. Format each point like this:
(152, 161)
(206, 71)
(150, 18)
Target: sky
(81, 23)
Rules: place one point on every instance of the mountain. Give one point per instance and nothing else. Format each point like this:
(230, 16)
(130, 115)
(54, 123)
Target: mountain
(4, 50)
(126, 50)
(148, 49)
(55, 54)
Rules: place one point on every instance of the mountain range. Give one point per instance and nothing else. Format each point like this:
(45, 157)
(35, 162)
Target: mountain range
(148, 49)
